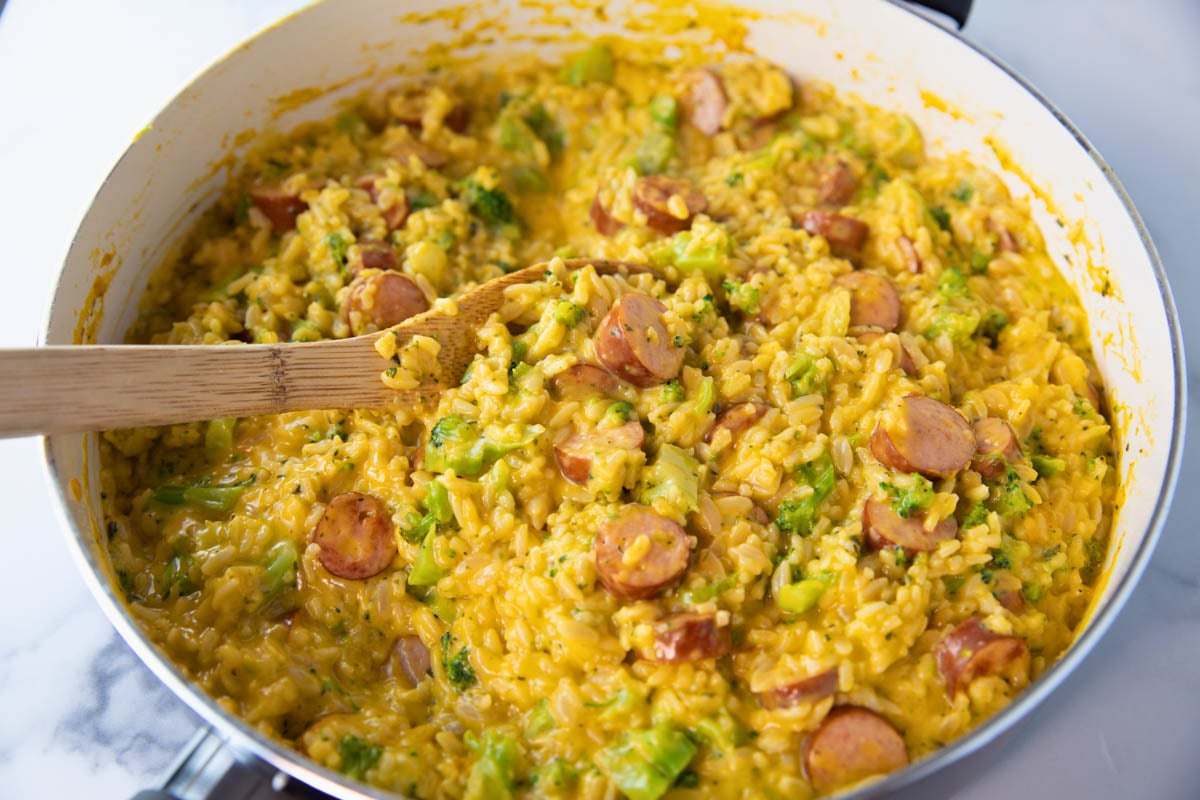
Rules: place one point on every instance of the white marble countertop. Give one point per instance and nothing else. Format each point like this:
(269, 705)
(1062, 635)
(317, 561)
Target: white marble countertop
(82, 716)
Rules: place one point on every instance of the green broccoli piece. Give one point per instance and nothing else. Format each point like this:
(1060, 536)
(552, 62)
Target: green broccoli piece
(425, 570)
(568, 313)
(742, 296)
(457, 667)
(593, 65)
(1012, 500)
(672, 392)
(664, 110)
(357, 755)
(645, 763)
(218, 499)
(802, 596)
(958, 327)
(675, 476)
(218, 437)
(907, 501)
(797, 516)
(490, 205)
(493, 776)
(177, 576)
(541, 720)
(1047, 466)
(654, 153)
(454, 443)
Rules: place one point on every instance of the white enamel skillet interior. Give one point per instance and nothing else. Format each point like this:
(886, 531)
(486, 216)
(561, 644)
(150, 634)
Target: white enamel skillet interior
(882, 52)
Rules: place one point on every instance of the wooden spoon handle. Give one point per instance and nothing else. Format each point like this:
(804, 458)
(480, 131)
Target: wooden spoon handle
(79, 388)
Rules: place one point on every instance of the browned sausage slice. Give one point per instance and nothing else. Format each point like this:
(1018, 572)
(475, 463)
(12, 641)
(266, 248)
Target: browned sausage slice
(574, 456)
(845, 235)
(737, 418)
(382, 300)
(375, 255)
(905, 363)
(652, 196)
(971, 651)
(639, 553)
(585, 380)
(632, 342)
(873, 300)
(806, 690)
(396, 213)
(929, 437)
(689, 636)
(885, 528)
(280, 206)
(704, 100)
(355, 535)
(606, 224)
(405, 149)
(409, 659)
(851, 744)
(836, 184)
(995, 448)
(1011, 600)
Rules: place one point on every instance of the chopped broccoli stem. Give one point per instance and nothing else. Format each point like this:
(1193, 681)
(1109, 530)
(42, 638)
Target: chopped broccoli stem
(281, 569)
(425, 570)
(1047, 466)
(177, 576)
(210, 498)
(674, 476)
(568, 313)
(645, 763)
(708, 591)
(664, 110)
(540, 720)
(437, 501)
(493, 776)
(802, 596)
(218, 437)
(593, 65)
(654, 153)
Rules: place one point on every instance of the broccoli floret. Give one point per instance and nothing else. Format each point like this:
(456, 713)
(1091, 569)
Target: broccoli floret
(675, 476)
(358, 755)
(916, 498)
(490, 205)
(645, 763)
(458, 667)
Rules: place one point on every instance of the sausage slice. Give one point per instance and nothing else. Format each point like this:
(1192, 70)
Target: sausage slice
(375, 255)
(704, 100)
(639, 553)
(381, 301)
(606, 224)
(355, 535)
(652, 195)
(928, 437)
(427, 155)
(885, 528)
(971, 651)
(396, 213)
(873, 300)
(574, 456)
(806, 690)
(836, 184)
(409, 659)
(905, 362)
(737, 418)
(280, 206)
(845, 235)
(632, 342)
(995, 448)
(689, 636)
(851, 744)
(585, 380)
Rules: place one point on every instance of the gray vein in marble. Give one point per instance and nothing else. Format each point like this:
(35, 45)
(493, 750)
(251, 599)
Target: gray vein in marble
(121, 691)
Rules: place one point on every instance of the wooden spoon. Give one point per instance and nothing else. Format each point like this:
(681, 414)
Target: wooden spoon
(102, 387)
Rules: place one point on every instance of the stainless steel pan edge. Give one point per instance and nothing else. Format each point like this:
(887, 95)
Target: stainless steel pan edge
(249, 744)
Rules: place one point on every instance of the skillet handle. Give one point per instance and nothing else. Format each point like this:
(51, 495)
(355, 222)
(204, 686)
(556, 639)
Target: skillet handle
(957, 10)
(209, 769)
